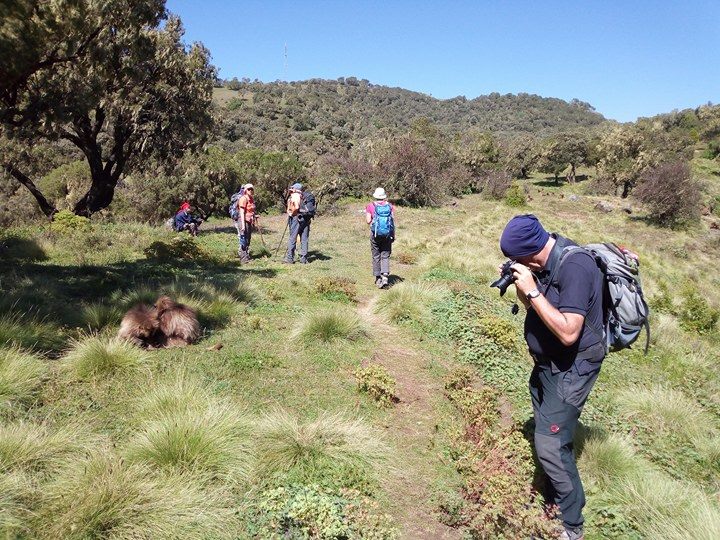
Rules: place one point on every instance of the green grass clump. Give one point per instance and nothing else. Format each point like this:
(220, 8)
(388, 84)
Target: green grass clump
(30, 333)
(30, 447)
(332, 450)
(97, 357)
(21, 375)
(14, 513)
(409, 302)
(211, 441)
(695, 314)
(607, 460)
(328, 326)
(668, 509)
(217, 312)
(103, 497)
(336, 288)
(315, 512)
(99, 315)
(377, 383)
(142, 294)
(166, 398)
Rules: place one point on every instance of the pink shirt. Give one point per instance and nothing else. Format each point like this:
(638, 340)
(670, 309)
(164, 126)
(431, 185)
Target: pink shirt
(370, 208)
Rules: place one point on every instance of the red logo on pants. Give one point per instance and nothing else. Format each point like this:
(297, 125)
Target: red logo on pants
(554, 428)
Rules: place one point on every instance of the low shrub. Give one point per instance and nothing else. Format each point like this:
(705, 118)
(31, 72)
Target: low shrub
(500, 331)
(515, 196)
(409, 302)
(405, 257)
(695, 314)
(377, 383)
(104, 497)
(65, 222)
(662, 301)
(332, 450)
(336, 288)
(459, 379)
(313, 512)
(179, 247)
(670, 193)
(494, 184)
(21, 375)
(97, 357)
(329, 326)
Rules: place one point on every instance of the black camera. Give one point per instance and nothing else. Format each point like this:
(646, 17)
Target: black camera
(506, 277)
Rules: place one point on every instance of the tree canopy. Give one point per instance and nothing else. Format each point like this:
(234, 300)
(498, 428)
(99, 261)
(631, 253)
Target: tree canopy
(111, 77)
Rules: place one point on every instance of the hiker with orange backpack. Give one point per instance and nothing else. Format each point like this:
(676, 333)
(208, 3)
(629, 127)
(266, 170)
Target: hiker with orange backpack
(380, 215)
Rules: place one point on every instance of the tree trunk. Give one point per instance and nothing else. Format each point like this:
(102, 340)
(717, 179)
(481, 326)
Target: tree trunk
(48, 209)
(99, 196)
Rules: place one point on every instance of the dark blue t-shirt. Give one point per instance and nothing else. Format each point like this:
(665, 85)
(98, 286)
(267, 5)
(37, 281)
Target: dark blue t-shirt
(576, 288)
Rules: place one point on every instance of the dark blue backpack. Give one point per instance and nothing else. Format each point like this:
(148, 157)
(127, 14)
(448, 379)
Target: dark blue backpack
(233, 208)
(382, 224)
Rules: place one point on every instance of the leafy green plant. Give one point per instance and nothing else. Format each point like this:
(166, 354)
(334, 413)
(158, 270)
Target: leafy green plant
(375, 380)
(65, 222)
(329, 326)
(336, 288)
(500, 331)
(695, 313)
(97, 357)
(21, 375)
(313, 512)
(515, 196)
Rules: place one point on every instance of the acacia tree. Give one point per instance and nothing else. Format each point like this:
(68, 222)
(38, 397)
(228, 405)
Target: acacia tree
(563, 151)
(105, 75)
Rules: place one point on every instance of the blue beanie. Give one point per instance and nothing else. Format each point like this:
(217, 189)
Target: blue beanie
(296, 186)
(523, 236)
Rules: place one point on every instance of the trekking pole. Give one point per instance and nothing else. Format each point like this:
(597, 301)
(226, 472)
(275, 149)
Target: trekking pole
(281, 238)
(262, 238)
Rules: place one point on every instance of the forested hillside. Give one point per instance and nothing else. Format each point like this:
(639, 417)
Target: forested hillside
(292, 114)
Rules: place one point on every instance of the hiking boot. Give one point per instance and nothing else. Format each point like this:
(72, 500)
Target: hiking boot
(572, 534)
(378, 282)
(287, 261)
(303, 260)
(385, 281)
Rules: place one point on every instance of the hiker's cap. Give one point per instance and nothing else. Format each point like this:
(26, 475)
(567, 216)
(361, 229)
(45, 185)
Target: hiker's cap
(523, 236)
(380, 194)
(297, 186)
(185, 206)
(249, 186)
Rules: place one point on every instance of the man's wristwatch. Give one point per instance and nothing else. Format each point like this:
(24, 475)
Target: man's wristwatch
(532, 294)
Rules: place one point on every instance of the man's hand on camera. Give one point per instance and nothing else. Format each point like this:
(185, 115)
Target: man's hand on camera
(524, 280)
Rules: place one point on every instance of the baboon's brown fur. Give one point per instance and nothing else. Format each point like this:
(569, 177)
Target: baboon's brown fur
(178, 322)
(141, 326)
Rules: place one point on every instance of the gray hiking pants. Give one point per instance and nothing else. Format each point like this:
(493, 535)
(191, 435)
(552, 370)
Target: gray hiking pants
(380, 248)
(298, 226)
(557, 400)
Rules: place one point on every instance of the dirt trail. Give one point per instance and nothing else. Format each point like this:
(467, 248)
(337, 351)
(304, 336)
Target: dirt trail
(412, 425)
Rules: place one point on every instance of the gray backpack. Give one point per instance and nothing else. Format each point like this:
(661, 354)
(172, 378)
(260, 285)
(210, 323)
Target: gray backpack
(626, 312)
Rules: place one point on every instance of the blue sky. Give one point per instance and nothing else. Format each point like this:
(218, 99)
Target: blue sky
(626, 58)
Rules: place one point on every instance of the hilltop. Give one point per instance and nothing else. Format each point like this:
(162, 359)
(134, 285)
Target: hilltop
(349, 109)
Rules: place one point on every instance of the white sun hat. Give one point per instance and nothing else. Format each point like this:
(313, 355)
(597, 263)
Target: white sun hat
(249, 186)
(380, 194)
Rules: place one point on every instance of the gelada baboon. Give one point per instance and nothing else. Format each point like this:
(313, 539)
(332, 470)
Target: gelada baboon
(178, 322)
(141, 326)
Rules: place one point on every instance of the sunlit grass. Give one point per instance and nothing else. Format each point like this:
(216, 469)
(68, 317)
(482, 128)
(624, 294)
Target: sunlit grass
(21, 375)
(28, 332)
(606, 460)
(409, 301)
(328, 326)
(96, 357)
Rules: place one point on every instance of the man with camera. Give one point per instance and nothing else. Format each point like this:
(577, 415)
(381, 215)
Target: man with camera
(564, 333)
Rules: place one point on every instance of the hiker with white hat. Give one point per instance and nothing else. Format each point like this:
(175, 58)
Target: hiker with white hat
(380, 215)
(299, 218)
(245, 221)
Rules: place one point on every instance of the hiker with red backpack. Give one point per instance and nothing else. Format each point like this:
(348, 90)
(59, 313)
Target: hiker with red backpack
(581, 301)
(300, 210)
(380, 215)
(242, 210)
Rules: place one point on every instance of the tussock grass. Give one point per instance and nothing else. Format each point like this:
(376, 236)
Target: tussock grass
(37, 448)
(331, 448)
(328, 326)
(166, 398)
(21, 375)
(216, 312)
(14, 513)
(100, 315)
(29, 332)
(666, 409)
(409, 301)
(143, 294)
(211, 440)
(606, 460)
(103, 497)
(97, 357)
(668, 509)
